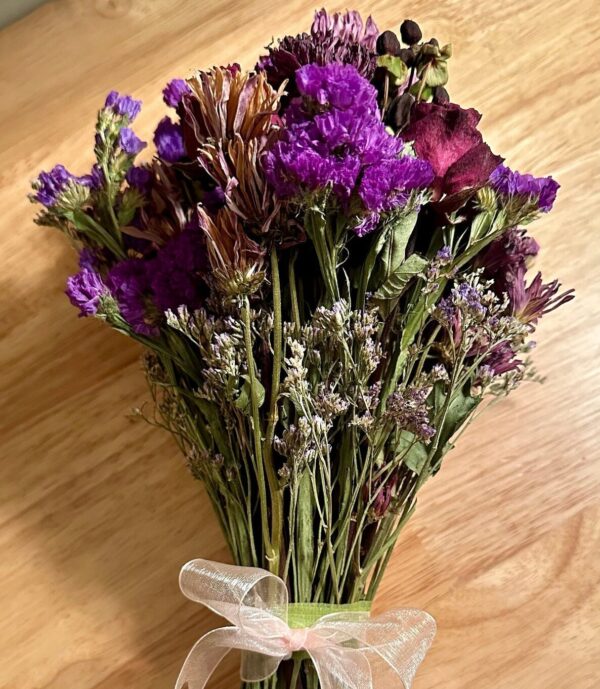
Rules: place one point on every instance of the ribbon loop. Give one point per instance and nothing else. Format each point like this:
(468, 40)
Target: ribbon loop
(349, 649)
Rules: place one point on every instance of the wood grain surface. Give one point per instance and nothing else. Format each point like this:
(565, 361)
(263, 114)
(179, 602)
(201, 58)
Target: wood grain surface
(97, 512)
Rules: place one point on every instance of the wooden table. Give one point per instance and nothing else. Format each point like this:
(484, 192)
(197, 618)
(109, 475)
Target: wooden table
(97, 511)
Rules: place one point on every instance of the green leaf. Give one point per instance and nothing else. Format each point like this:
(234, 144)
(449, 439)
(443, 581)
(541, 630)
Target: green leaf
(397, 281)
(481, 225)
(243, 401)
(436, 74)
(459, 410)
(414, 451)
(394, 66)
(393, 252)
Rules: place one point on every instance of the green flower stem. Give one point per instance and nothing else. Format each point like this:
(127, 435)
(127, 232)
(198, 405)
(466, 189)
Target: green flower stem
(256, 431)
(274, 487)
(294, 293)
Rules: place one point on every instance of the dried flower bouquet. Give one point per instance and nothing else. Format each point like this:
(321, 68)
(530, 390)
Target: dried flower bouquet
(327, 268)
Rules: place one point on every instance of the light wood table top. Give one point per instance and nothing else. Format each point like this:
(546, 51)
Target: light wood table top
(97, 512)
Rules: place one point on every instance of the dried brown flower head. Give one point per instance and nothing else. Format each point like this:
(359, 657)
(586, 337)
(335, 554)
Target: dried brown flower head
(236, 260)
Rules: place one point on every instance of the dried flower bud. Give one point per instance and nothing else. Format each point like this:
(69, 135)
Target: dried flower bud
(388, 44)
(410, 32)
(399, 112)
(440, 95)
(407, 55)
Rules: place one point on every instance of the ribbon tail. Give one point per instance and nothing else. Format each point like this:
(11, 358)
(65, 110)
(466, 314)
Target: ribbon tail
(342, 668)
(204, 657)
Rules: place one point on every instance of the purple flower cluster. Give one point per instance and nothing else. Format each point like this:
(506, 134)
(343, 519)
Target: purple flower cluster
(334, 138)
(168, 139)
(129, 142)
(85, 290)
(510, 183)
(50, 186)
(145, 289)
(408, 409)
(122, 105)
(174, 92)
(139, 177)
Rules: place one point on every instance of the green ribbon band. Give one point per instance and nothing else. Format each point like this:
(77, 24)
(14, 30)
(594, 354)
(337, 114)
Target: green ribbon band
(302, 615)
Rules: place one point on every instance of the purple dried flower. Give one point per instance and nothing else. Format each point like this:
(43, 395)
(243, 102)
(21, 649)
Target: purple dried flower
(337, 38)
(501, 359)
(85, 289)
(168, 140)
(95, 179)
(126, 106)
(139, 177)
(529, 303)
(509, 183)
(338, 87)
(177, 271)
(50, 185)
(174, 92)
(468, 297)
(408, 409)
(335, 139)
(129, 284)
(387, 185)
(347, 27)
(505, 255)
(444, 255)
(129, 142)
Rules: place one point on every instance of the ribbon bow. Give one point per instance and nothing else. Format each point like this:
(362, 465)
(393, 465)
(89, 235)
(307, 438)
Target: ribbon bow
(349, 649)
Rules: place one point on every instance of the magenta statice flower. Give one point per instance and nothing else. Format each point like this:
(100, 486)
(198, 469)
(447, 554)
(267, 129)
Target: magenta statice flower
(510, 183)
(387, 184)
(334, 138)
(337, 38)
(174, 92)
(339, 87)
(123, 105)
(85, 290)
(168, 139)
(129, 142)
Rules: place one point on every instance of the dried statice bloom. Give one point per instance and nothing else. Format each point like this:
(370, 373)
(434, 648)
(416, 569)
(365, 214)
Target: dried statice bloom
(168, 139)
(330, 404)
(366, 407)
(174, 91)
(330, 322)
(539, 191)
(408, 410)
(295, 384)
(86, 290)
(122, 105)
(334, 139)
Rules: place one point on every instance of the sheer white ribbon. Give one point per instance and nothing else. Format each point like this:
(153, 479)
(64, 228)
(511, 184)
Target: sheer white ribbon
(350, 650)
